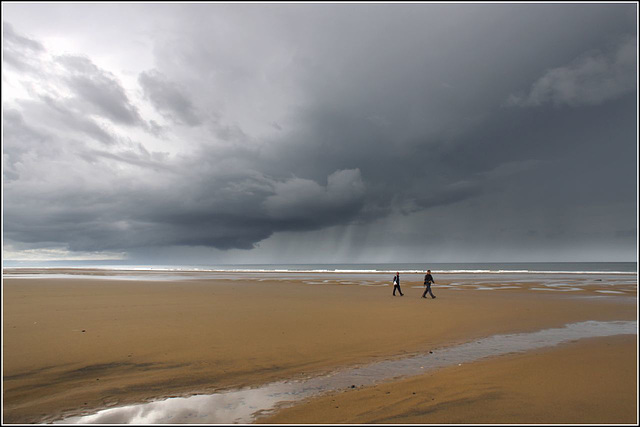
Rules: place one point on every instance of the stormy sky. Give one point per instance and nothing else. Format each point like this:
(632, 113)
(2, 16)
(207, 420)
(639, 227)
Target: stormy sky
(319, 133)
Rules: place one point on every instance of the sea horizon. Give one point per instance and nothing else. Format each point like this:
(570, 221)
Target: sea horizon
(438, 267)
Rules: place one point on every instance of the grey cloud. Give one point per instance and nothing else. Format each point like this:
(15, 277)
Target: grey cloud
(304, 201)
(12, 38)
(18, 141)
(140, 158)
(155, 128)
(74, 120)
(592, 79)
(229, 211)
(168, 98)
(57, 114)
(390, 121)
(99, 90)
(18, 50)
(227, 132)
(452, 193)
(31, 140)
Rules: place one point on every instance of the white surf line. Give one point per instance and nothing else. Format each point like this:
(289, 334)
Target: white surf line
(245, 405)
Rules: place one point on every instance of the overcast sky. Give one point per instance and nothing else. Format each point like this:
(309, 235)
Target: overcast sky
(253, 133)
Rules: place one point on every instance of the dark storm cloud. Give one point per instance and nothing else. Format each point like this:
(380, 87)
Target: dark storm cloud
(453, 193)
(168, 98)
(226, 213)
(213, 198)
(304, 204)
(589, 80)
(506, 121)
(411, 160)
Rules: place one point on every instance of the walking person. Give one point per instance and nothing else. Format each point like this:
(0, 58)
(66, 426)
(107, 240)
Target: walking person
(396, 285)
(428, 280)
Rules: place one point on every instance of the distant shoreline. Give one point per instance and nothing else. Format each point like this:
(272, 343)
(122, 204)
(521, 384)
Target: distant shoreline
(11, 270)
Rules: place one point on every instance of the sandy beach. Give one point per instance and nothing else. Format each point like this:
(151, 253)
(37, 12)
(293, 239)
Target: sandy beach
(592, 381)
(76, 345)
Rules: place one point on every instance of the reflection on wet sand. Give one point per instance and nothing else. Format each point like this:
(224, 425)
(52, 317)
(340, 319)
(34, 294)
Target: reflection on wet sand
(245, 405)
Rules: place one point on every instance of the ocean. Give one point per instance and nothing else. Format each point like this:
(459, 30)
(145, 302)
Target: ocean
(556, 267)
(508, 267)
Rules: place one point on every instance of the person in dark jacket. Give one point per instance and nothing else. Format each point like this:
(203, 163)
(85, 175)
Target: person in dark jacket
(428, 280)
(396, 285)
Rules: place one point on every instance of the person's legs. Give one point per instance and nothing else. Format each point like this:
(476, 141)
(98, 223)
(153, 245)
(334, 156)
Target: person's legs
(430, 293)
(424, 294)
(394, 290)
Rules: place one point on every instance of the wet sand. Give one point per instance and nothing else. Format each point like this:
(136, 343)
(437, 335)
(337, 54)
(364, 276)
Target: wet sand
(73, 346)
(591, 381)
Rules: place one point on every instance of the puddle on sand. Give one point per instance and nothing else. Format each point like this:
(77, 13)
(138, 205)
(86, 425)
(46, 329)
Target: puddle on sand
(245, 405)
